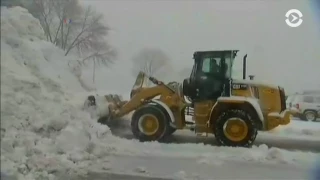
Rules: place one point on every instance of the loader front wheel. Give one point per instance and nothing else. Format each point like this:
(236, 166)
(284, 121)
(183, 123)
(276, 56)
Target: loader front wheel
(235, 128)
(149, 123)
(170, 130)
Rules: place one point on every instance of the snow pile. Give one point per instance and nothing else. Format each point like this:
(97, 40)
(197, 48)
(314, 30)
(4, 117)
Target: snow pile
(300, 129)
(44, 135)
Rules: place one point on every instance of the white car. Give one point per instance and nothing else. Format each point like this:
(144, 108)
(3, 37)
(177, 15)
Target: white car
(306, 106)
(289, 100)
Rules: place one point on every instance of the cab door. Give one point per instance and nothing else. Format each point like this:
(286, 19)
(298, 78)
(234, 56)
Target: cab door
(208, 78)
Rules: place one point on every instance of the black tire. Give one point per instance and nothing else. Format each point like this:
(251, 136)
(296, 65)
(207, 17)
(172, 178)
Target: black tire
(235, 113)
(309, 112)
(300, 116)
(170, 130)
(162, 120)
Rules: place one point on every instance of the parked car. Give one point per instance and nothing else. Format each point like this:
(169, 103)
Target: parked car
(289, 100)
(306, 106)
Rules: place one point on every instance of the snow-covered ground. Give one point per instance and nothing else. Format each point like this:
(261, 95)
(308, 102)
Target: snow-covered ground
(202, 168)
(299, 129)
(46, 135)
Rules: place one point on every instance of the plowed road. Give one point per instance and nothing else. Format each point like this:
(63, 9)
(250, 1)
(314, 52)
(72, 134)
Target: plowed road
(165, 168)
(162, 168)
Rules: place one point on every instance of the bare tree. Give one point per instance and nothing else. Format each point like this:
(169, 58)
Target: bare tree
(84, 35)
(42, 9)
(90, 39)
(99, 53)
(52, 15)
(150, 60)
(64, 11)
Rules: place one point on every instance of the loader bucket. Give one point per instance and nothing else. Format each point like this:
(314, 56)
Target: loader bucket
(114, 99)
(106, 106)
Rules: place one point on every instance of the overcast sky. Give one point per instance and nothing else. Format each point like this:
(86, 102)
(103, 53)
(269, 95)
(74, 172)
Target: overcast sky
(277, 53)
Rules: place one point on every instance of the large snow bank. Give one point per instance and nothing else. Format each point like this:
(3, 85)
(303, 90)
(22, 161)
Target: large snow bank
(43, 133)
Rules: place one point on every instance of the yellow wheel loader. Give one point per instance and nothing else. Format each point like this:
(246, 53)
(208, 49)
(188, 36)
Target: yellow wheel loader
(208, 102)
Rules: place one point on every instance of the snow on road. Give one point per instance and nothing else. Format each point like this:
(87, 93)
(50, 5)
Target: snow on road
(200, 168)
(46, 135)
(299, 129)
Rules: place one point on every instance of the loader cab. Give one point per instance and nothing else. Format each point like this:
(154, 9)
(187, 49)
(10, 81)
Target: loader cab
(210, 76)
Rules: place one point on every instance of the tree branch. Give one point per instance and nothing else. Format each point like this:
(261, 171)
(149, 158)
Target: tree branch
(57, 32)
(81, 32)
(66, 38)
(90, 56)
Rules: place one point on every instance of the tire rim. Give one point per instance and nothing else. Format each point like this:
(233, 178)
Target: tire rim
(235, 129)
(310, 116)
(148, 124)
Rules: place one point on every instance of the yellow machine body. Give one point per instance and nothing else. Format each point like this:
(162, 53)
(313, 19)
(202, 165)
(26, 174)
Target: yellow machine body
(233, 110)
(267, 96)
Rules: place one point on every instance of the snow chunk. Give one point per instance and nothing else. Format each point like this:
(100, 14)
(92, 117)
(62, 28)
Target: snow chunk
(181, 175)
(141, 169)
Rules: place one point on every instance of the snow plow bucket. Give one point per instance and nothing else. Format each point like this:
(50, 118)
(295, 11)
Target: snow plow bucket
(103, 106)
(108, 106)
(115, 99)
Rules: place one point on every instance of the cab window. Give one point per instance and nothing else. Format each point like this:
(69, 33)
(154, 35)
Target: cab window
(211, 65)
(206, 65)
(308, 99)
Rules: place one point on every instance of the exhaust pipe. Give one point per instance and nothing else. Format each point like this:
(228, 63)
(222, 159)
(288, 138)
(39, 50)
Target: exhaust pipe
(244, 71)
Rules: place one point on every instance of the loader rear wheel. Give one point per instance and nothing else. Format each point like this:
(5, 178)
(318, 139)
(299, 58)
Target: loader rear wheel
(235, 128)
(149, 123)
